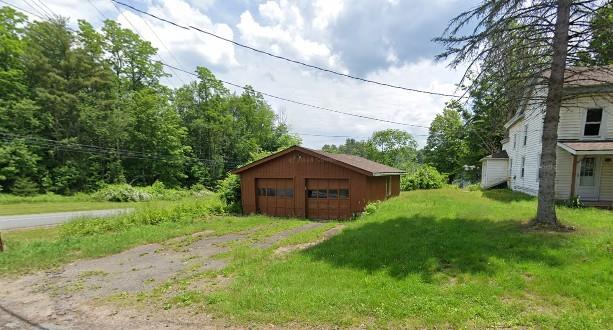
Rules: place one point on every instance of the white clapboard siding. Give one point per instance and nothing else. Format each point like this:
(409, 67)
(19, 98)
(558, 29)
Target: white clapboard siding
(606, 181)
(494, 171)
(531, 150)
(572, 116)
(564, 170)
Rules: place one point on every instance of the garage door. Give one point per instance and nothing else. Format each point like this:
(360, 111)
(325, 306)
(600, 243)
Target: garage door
(275, 197)
(328, 199)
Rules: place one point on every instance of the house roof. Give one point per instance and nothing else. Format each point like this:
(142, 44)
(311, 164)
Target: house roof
(578, 80)
(588, 76)
(356, 163)
(587, 147)
(497, 155)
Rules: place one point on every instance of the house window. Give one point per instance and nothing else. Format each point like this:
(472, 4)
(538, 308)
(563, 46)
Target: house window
(593, 119)
(523, 166)
(343, 193)
(514, 141)
(525, 135)
(586, 176)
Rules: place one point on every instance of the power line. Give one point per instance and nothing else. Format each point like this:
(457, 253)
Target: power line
(279, 97)
(304, 104)
(286, 58)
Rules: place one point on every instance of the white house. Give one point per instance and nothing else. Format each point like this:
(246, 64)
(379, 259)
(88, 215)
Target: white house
(584, 165)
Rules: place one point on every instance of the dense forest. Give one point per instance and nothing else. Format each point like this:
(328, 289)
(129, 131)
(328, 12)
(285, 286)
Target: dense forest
(83, 108)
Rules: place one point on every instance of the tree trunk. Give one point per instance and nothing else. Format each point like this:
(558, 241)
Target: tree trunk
(546, 213)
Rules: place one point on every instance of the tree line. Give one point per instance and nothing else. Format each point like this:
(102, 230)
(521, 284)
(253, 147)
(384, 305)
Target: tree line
(83, 108)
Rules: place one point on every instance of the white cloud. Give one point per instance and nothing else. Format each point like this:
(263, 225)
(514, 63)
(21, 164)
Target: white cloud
(285, 28)
(179, 41)
(284, 32)
(326, 11)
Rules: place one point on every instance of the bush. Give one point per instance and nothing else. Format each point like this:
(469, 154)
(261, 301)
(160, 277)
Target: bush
(575, 203)
(229, 190)
(423, 177)
(122, 193)
(371, 208)
(153, 215)
(24, 187)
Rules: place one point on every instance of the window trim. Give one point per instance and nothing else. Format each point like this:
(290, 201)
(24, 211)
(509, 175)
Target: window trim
(526, 135)
(523, 167)
(601, 127)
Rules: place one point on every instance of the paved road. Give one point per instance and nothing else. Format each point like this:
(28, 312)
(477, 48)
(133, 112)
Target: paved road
(45, 219)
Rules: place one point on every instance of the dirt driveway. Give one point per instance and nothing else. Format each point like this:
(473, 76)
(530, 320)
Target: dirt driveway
(77, 295)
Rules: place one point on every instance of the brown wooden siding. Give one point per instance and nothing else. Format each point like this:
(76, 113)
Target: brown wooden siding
(296, 168)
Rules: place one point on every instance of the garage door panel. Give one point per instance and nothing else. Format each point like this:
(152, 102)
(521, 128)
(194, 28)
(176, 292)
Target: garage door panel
(327, 198)
(275, 197)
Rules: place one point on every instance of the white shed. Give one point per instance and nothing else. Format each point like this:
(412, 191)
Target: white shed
(494, 169)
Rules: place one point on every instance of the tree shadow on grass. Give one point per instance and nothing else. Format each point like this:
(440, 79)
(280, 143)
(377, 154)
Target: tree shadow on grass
(425, 245)
(507, 196)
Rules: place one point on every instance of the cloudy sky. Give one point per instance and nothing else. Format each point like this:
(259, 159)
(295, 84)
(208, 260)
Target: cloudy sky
(382, 40)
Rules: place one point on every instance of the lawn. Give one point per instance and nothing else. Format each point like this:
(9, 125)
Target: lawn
(438, 258)
(15, 205)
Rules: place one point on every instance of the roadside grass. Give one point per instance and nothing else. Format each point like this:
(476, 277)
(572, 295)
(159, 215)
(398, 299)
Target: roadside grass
(440, 258)
(47, 203)
(64, 206)
(44, 248)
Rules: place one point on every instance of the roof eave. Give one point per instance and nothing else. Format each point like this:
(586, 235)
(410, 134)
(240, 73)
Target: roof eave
(388, 173)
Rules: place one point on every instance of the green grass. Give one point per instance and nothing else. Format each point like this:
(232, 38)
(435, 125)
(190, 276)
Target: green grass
(44, 248)
(439, 258)
(442, 258)
(48, 207)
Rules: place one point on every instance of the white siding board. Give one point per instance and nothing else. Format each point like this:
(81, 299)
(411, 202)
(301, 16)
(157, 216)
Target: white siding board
(494, 172)
(606, 180)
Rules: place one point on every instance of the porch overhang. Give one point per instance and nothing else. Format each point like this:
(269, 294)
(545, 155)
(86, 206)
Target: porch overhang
(579, 148)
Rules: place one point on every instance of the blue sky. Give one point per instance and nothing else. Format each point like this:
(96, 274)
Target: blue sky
(384, 40)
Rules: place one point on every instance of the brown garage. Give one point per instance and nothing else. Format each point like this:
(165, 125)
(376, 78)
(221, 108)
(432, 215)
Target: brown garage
(306, 183)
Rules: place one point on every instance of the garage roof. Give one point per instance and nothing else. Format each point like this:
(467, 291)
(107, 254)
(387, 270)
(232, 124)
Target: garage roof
(359, 164)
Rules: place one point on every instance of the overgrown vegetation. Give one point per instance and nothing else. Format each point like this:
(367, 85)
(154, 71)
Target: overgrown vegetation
(422, 177)
(83, 109)
(153, 222)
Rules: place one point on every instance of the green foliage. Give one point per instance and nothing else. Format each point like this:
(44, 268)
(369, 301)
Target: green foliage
(229, 191)
(371, 208)
(446, 148)
(61, 90)
(392, 147)
(600, 49)
(24, 187)
(184, 212)
(575, 202)
(122, 193)
(422, 177)
(17, 161)
(157, 191)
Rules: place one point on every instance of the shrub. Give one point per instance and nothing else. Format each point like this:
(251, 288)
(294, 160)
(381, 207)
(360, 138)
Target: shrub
(24, 187)
(423, 177)
(575, 203)
(229, 190)
(371, 208)
(122, 193)
(152, 215)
